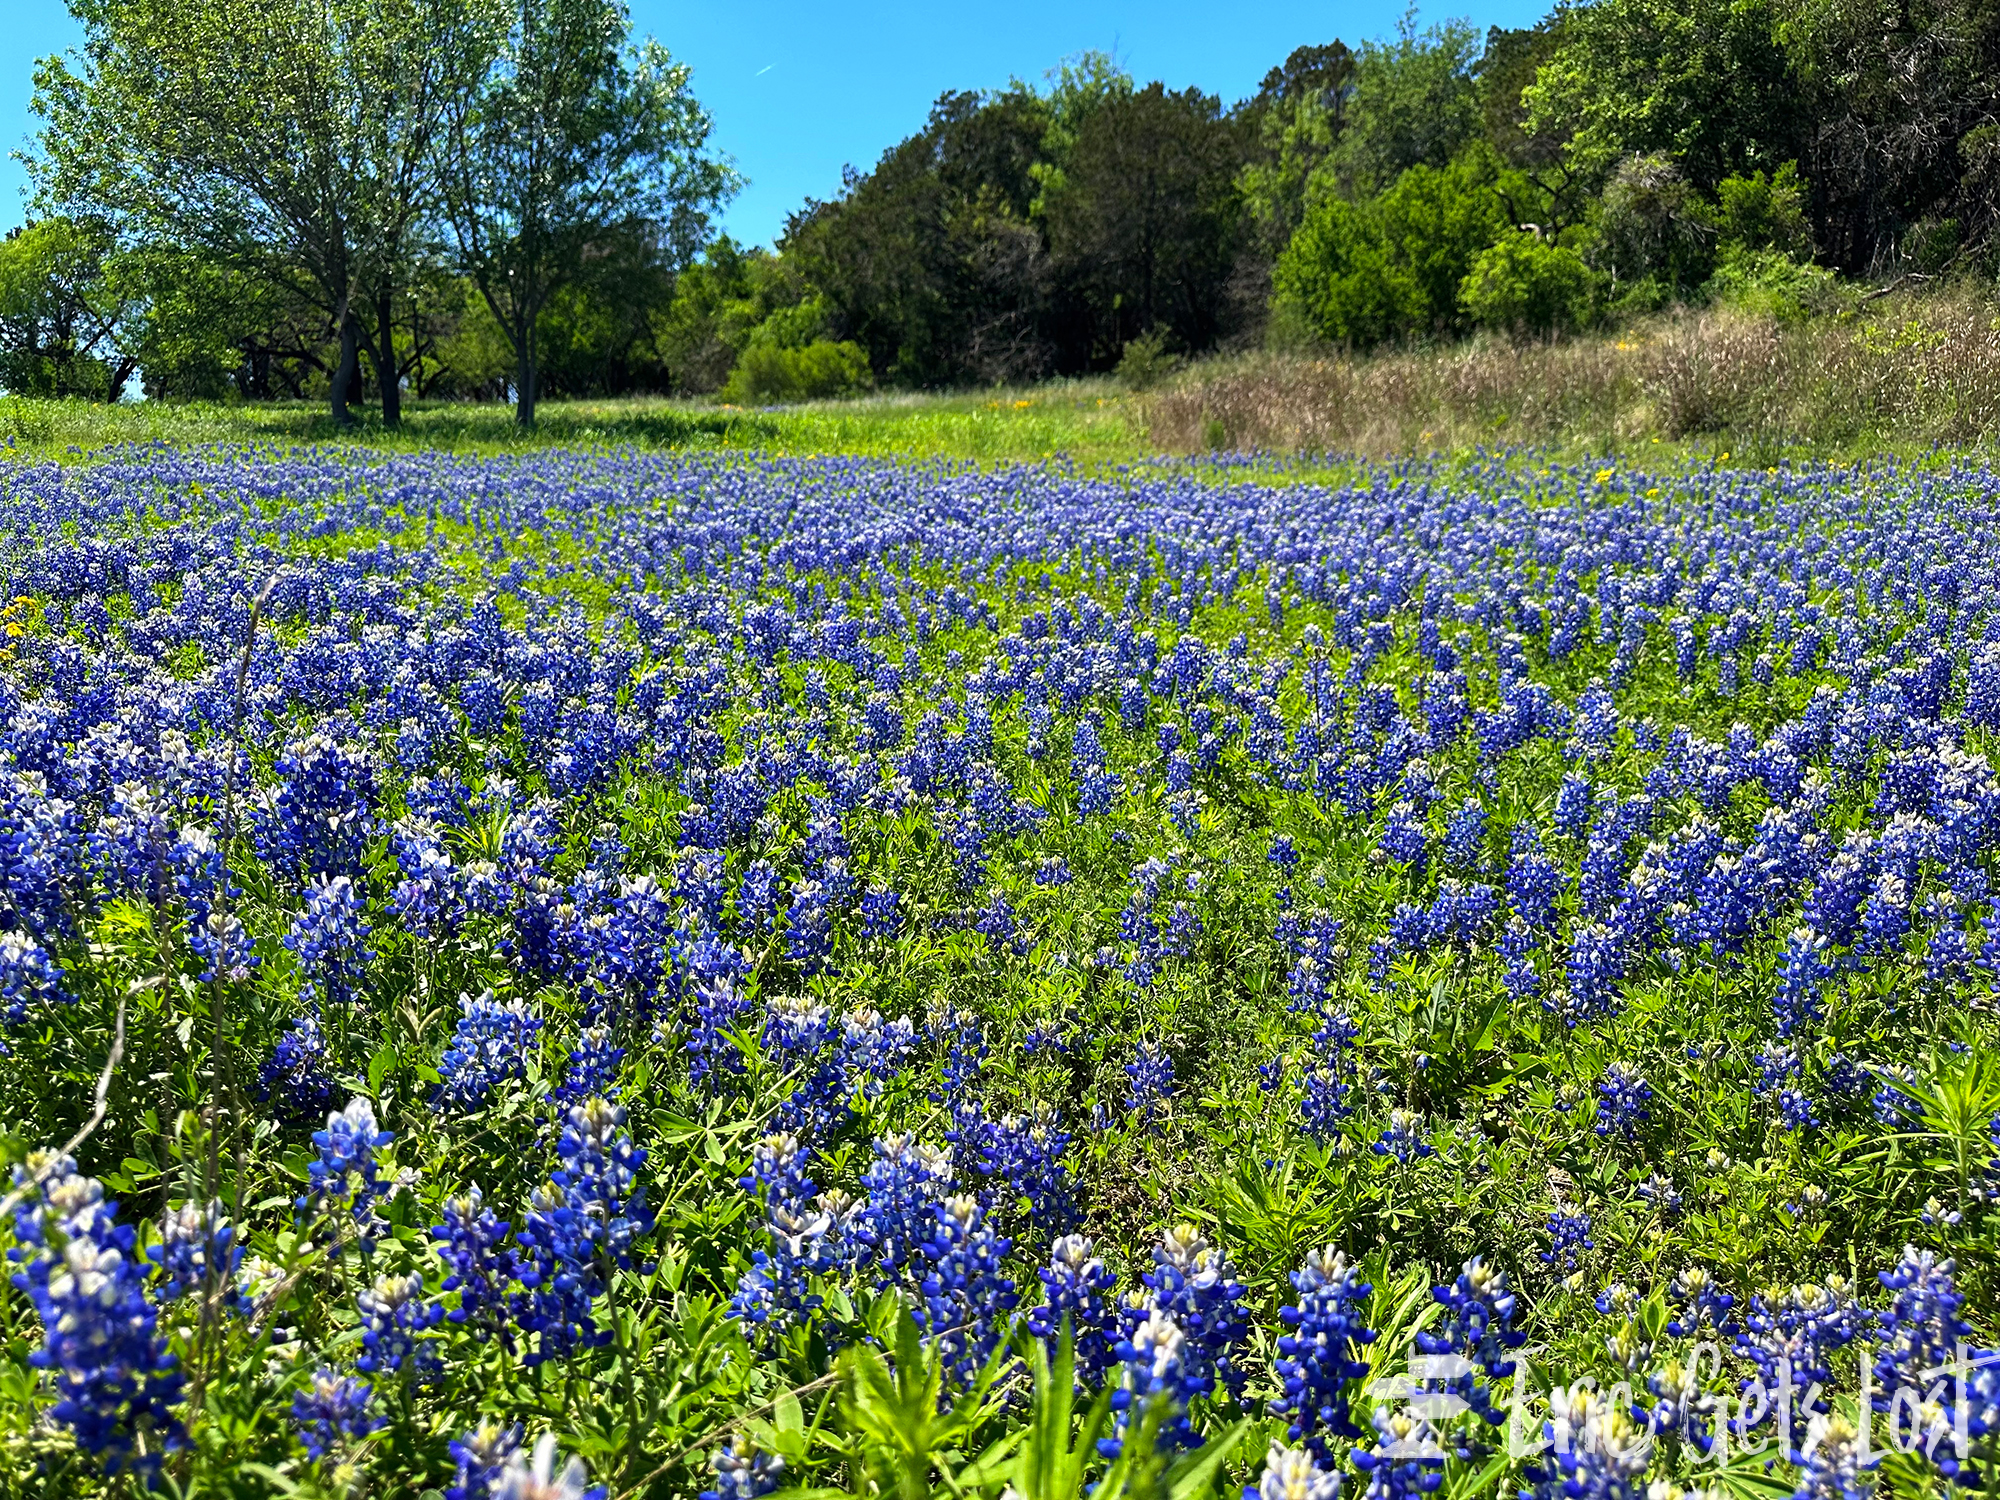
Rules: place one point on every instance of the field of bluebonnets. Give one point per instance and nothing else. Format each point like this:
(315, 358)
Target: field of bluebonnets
(648, 974)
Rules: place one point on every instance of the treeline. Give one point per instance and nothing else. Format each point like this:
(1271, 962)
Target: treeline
(345, 197)
(1621, 156)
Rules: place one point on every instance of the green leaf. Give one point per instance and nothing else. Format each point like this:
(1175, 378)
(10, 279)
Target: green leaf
(1194, 1475)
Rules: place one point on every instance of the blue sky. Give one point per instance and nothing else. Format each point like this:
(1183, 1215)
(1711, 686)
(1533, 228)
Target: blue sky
(797, 90)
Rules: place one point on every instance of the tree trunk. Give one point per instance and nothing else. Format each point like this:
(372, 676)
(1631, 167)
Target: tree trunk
(524, 378)
(346, 370)
(385, 365)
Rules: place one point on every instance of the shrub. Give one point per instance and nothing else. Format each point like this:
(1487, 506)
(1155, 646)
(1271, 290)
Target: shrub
(1771, 282)
(769, 373)
(1364, 273)
(1765, 213)
(1147, 360)
(1523, 284)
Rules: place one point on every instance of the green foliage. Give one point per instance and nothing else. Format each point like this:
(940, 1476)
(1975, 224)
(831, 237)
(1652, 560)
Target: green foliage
(621, 152)
(1653, 224)
(1292, 123)
(929, 262)
(1415, 103)
(1147, 361)
(770, 372)
(1703, 82)
(1771, 282)
(1143, 223)
(1757, 212)
(1392, 266)
(1521, 283)
(65, 313)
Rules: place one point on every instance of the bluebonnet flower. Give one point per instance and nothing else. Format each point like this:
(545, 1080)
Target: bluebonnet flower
(809, 926)
(1025, 1153)
(223, 944)
(29, 978)
(1921, 1331)
(1801, 972)
(1151, 1075)
(592, 1071)
(966, 1297)
(330, 938)
(1779, 1069)
(1152, 1357)
(396, 1322)
(1052, 871)
(116, 1383)
(1623, 1102)
(1402, 1138)
(743, 1473)
(1479, 1328)
(1534, 881)
(804, 1238)
(1465, 837)
(472, 1243)
(318, 818)
(1597, 1450)
(1568, 1234)
(345, 1179)
(1698, 1304)
(1404, 838)
(599, 1178)
(1833, 1464)
(332, 1412)
(720, 1009)
(898, 1189)
(880, 917)
(294, 1079)
(538, 1478)
(1191, 1283)
(1405, 1460)
(1572, 809)
(757, 897)
(198, 1251)
(872, 1049)
(491, 1044)
(996, 924)
(1894, 1101)
(1790, 1335)
(482, 1457)
(1291, 1474)
(1319, 1355)
(1079, 1289)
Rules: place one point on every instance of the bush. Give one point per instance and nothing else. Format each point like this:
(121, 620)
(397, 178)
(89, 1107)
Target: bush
(1765, 213)
(1147, 360)
(1770, 282)
(769, 373)
(1364, 273)
(1523, 284)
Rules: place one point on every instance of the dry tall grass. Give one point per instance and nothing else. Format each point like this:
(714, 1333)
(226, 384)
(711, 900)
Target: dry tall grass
(1901, 372)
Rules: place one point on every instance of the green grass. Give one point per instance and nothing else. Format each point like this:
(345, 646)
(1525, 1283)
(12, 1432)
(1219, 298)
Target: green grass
(1090, 421)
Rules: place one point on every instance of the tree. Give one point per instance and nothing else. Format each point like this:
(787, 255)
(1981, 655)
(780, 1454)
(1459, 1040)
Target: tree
(1293, 122)
(1702, 82)
(1415, 103)
(65, 318)
(1895, 99)
(1392, 266)
(1143, 222)
(289, 140)
(930, 261)
(573, 139)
